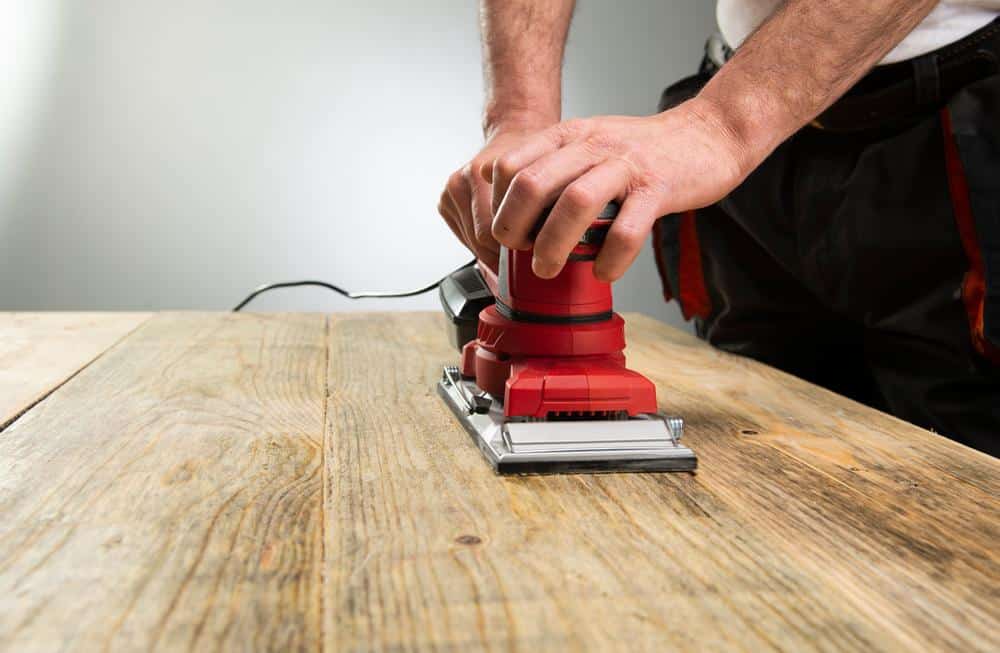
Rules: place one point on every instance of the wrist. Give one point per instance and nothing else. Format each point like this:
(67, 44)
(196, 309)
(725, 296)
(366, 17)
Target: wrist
(504, 120)
(755, 122)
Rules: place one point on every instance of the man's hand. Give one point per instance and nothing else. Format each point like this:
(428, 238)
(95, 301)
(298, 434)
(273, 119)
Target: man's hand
(465, 202)
(681, 159)
(523, 44)
(804, 57)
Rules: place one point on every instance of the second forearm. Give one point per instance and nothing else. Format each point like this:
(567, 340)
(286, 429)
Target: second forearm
(802, 60)
(523, 42)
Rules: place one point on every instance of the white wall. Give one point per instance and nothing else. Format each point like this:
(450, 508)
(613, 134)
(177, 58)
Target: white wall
(175, 154)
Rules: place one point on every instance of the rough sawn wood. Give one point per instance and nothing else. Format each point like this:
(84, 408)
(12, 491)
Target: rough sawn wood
(293, 482)
(812, 523)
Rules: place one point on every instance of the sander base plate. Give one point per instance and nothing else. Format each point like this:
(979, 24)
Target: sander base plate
(646, 443)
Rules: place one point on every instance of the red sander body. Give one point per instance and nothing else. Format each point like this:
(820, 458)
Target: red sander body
(543, 386)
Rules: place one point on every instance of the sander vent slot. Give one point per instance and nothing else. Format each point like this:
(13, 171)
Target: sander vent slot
(581, 415)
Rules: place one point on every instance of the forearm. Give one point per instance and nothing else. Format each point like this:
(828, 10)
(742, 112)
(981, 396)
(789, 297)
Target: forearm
(806, 56)
(523, 43)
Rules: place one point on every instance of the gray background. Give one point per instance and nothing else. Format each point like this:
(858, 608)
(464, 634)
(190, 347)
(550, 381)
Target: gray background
(173, 155)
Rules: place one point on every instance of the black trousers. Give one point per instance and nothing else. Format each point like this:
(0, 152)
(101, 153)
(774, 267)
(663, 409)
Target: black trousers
(866, 261)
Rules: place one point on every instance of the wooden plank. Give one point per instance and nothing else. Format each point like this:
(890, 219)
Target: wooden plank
(39, 351)
(813, 523)
(168, 496)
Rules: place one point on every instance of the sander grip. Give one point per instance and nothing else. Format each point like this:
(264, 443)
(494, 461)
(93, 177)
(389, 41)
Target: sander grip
(464, 294)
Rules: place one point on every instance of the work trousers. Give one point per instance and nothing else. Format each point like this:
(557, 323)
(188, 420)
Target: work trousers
(866, 261)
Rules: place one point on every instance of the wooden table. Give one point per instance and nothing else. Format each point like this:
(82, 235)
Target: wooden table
(292, 482)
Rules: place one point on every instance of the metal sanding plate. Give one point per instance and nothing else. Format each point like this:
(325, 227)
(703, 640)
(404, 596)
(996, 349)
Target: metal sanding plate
(649, 443)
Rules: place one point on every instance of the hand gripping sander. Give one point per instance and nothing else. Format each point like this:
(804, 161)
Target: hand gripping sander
(542, 386)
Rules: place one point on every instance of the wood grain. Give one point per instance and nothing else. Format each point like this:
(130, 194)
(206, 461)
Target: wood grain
(39, 351)
(812, 524)
(288, 482)
(168, 497)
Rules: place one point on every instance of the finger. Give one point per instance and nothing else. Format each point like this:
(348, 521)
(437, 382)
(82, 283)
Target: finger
(461, 197)
(504, 168)
(482, 212)
(447, 211)
(458, 191)
(626, 236)
(534, 189)
(447, 207)
(490, 258)
(574, 211)
(489, 249)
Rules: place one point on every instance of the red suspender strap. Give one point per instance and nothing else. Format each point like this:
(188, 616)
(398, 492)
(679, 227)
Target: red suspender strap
(691, 279)
(661, 264)
(974, 284)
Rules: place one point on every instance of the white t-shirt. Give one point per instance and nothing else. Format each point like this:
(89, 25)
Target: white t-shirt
(948, 22)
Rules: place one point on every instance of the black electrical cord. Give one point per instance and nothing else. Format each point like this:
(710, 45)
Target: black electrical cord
(346, 293)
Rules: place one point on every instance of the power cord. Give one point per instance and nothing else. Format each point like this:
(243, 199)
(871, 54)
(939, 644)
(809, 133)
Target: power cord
(345, 293)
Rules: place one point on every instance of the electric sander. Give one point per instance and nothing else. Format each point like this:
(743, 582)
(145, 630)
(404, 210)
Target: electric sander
(542, 386)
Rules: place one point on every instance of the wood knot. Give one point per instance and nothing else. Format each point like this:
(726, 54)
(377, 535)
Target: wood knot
(748, 432)
(468, 540)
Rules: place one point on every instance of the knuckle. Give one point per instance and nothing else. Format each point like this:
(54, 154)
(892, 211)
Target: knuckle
(482, 159)
(527, 183)
(649, 184)
(571, 128)
(455, 182)
(579, 196)
(631, 236)
(647, 194)
(504, 167)
(602, 143)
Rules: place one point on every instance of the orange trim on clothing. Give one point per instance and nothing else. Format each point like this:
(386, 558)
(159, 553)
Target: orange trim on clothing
(974, 283)
(691, 277)
(661, 265)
